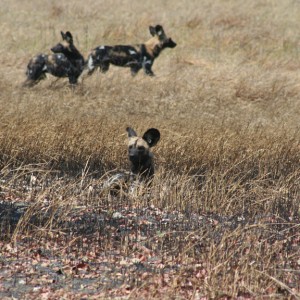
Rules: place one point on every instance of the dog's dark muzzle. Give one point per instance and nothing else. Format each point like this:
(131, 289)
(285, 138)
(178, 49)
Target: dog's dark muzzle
(57, 49)
(136, 156)
(171, 43)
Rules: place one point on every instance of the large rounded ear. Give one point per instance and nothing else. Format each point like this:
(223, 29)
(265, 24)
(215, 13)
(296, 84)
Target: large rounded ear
(63, 35)
(151, 136)
(158, 29)
(69, 37)
(131, 132)
(152, 30)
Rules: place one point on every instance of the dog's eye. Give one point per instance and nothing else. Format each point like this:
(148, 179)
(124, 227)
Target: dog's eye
(141, 148)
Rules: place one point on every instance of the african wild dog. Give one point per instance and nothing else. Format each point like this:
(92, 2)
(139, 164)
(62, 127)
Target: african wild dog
(65, 62)
(140, 157)
(135, 57)
(141, 160)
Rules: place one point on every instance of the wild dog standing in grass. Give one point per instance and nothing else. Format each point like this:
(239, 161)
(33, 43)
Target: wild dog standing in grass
(135, 57)
(66, 61)
(141, 160)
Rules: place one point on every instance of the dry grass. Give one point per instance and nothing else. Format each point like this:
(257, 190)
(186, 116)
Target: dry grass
(221, 219)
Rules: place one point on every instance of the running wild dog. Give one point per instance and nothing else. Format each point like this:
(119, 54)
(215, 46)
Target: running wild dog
(65, 62)
(135, 57)
(141, 161)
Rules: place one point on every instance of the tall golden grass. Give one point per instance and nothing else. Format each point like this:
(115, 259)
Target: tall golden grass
(226, 101)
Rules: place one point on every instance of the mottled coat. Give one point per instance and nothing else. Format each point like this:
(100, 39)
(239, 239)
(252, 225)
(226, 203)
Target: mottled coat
(136, 57)
(66, 61)
(141, 162)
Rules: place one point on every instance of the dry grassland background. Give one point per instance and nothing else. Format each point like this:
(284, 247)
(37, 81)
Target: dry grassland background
(221, 219)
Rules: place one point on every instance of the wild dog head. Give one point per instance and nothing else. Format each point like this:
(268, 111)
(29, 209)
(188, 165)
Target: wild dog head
(65, 45)
(162, 41)
(141, 160)
(69, 50)
(139, 154)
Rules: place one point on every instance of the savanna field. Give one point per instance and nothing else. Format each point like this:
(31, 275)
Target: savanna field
(221, 219)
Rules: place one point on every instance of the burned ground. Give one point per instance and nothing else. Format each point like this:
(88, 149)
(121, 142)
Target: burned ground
(221, 219)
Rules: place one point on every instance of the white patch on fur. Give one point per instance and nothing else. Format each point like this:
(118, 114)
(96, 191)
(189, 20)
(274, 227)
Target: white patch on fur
(147, 61)
(131, 52)
(59, 56)
(44, 68)
(115, 180)
(90, 63)
(101, 47)
(159, 33)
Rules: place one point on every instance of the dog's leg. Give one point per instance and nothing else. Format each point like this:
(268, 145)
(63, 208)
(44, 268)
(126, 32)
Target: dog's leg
(104, 66)
(73, 79)
(85, 73)
(135, 69)
(147, 65)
